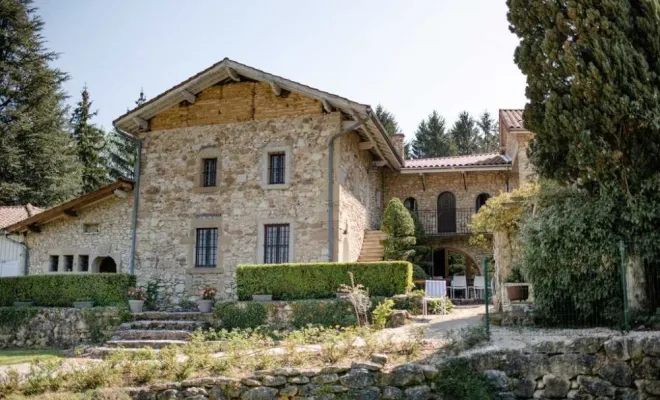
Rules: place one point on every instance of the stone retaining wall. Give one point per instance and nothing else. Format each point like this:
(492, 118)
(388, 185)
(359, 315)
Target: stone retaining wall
(60, 328)
(587, 368)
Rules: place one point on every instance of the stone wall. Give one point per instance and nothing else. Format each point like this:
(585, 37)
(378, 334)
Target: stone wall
(170, 205)
(585, 369)
(67, 236)
(359, 197)
(61, 328)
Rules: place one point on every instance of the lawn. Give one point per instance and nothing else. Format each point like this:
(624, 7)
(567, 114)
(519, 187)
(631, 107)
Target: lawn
(8, 357)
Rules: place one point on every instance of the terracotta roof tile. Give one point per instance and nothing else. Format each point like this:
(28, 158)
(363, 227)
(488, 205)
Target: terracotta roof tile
(472, 160)
(11, 214)
(512, 119)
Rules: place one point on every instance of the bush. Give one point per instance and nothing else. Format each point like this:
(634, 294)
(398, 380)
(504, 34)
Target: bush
(418, 273)
(321, 280)
(240, 315)
(400, 229)
(323, 313)
(14, 317)
(62, 290)
(459, 380)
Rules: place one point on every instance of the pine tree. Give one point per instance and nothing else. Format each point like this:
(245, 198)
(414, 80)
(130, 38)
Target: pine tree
(431, 138)
(90, 141)
(387, 119)
(122, 151)
(465, 134)
(38, 162)
(489, 141)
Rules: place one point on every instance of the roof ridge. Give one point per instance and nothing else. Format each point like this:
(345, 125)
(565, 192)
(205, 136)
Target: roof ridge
(460, 156)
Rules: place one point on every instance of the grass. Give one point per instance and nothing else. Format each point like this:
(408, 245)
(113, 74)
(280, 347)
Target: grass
(9, 357)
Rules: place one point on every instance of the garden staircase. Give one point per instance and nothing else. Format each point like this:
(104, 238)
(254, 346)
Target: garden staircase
(157, 329)
(372, 247)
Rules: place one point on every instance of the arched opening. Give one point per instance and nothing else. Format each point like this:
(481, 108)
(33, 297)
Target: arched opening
(104, 265)
(448, 262)
(446, 212)
(481, 200)
(411, 204)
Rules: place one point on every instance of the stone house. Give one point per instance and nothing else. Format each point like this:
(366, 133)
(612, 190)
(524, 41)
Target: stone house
(241, 166)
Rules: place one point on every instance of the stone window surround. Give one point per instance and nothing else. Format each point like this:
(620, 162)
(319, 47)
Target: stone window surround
(204, 221)
(287, 149)
(261, 236)
(204, 153)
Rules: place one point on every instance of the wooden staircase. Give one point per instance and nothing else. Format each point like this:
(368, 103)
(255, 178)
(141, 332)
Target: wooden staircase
(372, 248)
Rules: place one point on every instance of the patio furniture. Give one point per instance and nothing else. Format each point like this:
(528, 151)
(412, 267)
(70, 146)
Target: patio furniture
(458, 282)
(435, 290)
(479, 285)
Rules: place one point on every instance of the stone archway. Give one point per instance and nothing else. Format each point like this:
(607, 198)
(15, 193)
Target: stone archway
(448, 261)
(104, 265)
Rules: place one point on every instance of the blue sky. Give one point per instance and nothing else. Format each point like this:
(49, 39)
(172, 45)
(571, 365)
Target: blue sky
(411, 56)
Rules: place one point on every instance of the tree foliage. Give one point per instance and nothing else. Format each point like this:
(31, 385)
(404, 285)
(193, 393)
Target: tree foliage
(489, 140)
(38, 162)
(122, 151)
(400, 228)
(90, 143)
(431, 138)
(465, 135)
(388, 120)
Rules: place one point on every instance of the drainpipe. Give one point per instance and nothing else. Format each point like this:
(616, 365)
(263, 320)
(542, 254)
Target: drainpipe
(331, 177)
(136, 196)
(26, 263)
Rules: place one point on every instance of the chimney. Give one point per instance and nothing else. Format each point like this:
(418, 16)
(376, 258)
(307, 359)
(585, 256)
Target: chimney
(398, 140)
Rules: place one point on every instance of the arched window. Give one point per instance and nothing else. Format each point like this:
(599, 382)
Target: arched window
(481, 200)
(411, 204)
(446, 212)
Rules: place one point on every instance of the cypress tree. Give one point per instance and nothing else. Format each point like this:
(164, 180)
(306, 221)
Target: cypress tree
(431, 138)
(90, 141)
(38, 162)
(387, 119)
(489, 141)
(465, 134)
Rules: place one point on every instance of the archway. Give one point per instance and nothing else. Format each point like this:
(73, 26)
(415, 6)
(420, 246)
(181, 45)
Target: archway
(104, 265)
(449, 261)
(446, 212)
(481, 201)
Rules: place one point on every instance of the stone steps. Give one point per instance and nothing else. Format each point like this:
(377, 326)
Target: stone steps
(372, 248)
(138, 344)
(182, 324)
(151, 334)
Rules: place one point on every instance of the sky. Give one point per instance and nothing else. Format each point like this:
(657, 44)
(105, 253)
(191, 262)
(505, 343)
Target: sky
(411, 56)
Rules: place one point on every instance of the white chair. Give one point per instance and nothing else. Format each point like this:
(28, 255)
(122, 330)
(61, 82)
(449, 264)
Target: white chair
(479, 285)
(458, 282)
(435, 290)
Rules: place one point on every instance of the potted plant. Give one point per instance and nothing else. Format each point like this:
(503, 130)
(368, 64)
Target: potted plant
(136, 298)
(83, 303)
(516, 292)
(262, 297)
(207, 294)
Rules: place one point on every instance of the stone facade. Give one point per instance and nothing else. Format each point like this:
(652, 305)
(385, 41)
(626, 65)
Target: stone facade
(100, 230)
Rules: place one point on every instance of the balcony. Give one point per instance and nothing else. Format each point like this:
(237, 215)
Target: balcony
(446, 222)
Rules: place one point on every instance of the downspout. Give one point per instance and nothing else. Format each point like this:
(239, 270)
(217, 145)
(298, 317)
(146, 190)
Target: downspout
(331, 177)
(26, 263)
(136, 196)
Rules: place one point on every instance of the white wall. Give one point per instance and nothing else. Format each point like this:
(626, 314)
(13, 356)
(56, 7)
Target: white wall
(12, 257)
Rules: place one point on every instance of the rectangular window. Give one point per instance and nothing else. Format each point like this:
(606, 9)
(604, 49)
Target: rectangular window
(210, 171)
(68, 263)
(276, 168)
(276, 243)
(91, 228)
(83, 263)
(206, 248)
(54, 263)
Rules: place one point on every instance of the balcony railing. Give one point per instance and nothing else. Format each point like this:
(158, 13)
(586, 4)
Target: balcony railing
(446, 222)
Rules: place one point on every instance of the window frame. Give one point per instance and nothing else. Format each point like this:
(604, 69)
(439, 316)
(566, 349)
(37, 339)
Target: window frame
(277, 174)
(80, 263)
(414, 204)
(68, 262)
(271, 150)
(209, 173)
(204, 154)
(261, 238)
(279, 249)
(210, 247)
(53, 261)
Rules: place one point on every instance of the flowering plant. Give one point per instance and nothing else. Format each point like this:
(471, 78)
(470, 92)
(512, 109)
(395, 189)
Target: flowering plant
(208, 293)
(136, 294)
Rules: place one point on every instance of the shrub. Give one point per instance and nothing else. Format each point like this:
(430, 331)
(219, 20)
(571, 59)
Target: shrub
(321, 280)
(400, 228)
(322, 312)
(382, 313)
(62, 290)
(13, 317)
(418, 273)
(241, 315)
(458, 380)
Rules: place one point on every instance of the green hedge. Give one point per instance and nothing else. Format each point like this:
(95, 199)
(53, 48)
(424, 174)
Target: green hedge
(321, 280)
(61, 290)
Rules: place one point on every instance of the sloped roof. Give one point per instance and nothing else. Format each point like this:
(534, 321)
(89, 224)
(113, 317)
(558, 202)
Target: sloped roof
(512, 119)
(472, 161)
(11, 214)
(228, 71)
(70, 207)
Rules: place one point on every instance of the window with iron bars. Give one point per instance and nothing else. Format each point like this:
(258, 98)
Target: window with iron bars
(276, 243)
(276, 168)
(206, 248)
(210, 172)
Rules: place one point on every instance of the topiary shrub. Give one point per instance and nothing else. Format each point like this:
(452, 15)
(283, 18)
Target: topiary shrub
(321, 280)
(322, 312)
(400, 229)
(234, 315)
(60, 290)
(419, 273)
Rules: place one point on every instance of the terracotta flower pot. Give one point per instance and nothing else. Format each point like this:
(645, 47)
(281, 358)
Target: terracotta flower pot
(205, 306)
(136, 305)
(517, 293)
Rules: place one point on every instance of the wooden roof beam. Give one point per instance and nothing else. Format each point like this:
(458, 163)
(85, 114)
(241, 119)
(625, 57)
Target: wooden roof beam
(71, 212)
(189, 97)
(365, 145)
(277, 90)
(232, 74)
(379, 163)
(34, 228)
(142, 123)
(327, 106)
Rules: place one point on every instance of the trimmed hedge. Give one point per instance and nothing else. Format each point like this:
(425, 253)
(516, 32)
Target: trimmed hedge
(321, 280)
(61, 290)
